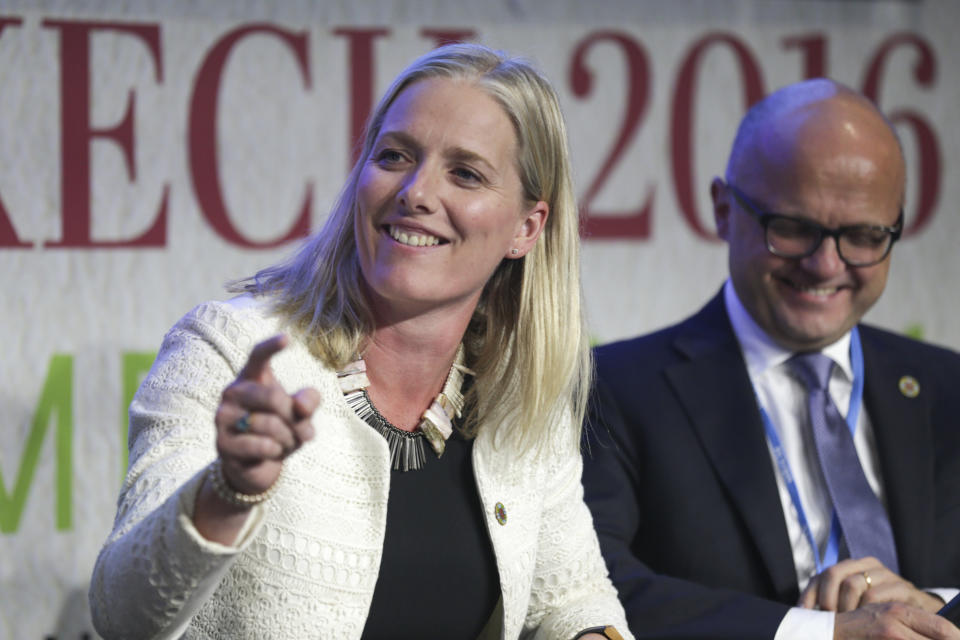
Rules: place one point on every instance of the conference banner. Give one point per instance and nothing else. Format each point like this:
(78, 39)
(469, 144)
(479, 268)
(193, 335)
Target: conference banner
(152, 152)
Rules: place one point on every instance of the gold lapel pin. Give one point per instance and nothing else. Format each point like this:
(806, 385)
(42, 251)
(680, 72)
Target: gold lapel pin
(909, 386)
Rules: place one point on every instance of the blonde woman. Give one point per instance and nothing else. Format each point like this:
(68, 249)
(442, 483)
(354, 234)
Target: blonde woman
(379, 438)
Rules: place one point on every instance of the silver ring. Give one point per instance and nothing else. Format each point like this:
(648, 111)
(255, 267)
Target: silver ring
(243, 424)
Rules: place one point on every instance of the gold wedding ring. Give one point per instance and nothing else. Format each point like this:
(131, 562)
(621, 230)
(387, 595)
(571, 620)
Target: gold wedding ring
(867, 579)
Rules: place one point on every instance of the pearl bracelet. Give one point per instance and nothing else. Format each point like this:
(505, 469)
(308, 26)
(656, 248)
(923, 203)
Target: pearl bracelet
(227, 494)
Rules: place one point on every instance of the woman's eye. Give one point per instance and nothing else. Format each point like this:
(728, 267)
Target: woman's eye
(389, 156)
(466, 175)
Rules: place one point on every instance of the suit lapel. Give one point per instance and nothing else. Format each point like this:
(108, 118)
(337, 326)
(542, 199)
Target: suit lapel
(715, 389)
(901, 427)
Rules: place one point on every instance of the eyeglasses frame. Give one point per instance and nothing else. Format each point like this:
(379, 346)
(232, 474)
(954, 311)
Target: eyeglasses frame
(765, 217)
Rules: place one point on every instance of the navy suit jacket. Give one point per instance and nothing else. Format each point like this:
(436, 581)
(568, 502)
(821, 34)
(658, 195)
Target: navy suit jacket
(679, 478)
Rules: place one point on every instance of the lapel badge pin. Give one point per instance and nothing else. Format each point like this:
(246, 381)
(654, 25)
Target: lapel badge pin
(500, 512)
(909, 386)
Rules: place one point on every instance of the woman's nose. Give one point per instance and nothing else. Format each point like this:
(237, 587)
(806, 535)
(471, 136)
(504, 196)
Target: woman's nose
(420, 190)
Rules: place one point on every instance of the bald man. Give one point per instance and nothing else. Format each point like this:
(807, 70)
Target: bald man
(771, 467)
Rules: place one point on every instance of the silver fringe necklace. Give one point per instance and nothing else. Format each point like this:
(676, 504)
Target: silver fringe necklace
(407, 450)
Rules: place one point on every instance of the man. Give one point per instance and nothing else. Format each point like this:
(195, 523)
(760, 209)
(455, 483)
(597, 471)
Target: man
(714, 463)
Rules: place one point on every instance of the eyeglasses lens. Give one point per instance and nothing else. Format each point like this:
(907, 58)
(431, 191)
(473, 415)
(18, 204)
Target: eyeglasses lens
(791, 238)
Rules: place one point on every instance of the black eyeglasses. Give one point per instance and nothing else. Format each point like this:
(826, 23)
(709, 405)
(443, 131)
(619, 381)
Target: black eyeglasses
(859, 245)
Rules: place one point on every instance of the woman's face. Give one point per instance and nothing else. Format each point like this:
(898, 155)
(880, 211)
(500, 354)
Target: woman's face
(439, 199)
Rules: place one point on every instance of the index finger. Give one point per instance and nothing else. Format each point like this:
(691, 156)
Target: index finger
(810, 595)
(930, 625)
(258, 363)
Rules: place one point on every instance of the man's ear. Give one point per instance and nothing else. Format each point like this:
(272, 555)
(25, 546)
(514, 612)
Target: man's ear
(720, 196)
(528, 230)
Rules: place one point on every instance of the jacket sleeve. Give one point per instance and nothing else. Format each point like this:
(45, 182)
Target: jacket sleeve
(155, 570)
(657, 605)
(570, 591)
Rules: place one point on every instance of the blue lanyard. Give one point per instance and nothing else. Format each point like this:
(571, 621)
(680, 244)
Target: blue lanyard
(832, 551)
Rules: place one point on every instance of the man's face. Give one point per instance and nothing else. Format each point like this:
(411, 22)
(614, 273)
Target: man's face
(832, 173)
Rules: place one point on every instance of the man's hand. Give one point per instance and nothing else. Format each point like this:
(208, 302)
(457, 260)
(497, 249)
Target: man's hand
(853, 583)
(892, 621)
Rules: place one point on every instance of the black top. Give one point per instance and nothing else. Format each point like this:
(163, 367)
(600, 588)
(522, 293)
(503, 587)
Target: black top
(438, 576)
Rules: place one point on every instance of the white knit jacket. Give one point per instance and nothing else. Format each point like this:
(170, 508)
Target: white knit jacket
(306, 562)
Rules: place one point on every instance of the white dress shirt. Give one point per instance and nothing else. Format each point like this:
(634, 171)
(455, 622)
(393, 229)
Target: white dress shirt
(784, 399)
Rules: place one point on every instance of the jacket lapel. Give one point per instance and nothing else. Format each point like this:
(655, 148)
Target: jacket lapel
(902, 430)
(715, 389)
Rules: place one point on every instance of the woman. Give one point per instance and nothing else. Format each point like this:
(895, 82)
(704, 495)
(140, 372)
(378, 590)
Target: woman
(439, 305)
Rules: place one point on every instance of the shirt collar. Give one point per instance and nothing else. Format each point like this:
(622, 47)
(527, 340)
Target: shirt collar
(760, 352)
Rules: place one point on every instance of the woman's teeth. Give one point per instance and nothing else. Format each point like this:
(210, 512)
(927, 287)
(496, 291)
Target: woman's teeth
(412, 239)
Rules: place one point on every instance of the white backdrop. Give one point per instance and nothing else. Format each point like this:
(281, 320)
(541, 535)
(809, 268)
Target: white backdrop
(148, 155)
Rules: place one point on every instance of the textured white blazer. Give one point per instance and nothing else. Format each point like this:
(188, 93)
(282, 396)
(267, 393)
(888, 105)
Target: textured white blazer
(306, 562)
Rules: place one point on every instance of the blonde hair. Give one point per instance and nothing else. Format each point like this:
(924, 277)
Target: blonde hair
(527, 340)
